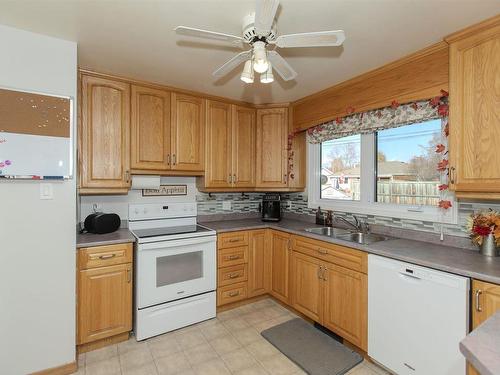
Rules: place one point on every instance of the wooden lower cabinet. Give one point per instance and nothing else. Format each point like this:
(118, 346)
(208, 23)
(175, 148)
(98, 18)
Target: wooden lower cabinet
(485, 303)
(345, 311)
(259, 263)
(306, 285)
(325, 282)
(104, 301)
(280, 265)
(334, 296)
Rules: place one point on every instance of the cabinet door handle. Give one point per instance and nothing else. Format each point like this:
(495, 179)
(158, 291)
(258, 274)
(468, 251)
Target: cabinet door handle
(127, 177)
(452, 175)
(284, 178)
(234, 179)
(289, 244)
(174, 159)
(234, 294)
(323, 275)
(234, 257)
(107, 256)
(168, 159)
(320, 269)
(229, 179)
(478, 302)
(129, 275)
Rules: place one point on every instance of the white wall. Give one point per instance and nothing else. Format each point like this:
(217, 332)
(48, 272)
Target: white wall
(37, 237)
(118, 204)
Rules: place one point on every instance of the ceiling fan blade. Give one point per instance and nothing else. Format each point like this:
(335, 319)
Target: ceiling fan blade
(265, 12)
(199, 33)
(314, 39)
(281, 66)
(232, 63)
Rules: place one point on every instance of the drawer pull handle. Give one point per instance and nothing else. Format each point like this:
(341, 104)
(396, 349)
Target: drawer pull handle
(233, 257)
(234, 240)
(234, 275)
(107, 256)
(322, 251)
(234, 294)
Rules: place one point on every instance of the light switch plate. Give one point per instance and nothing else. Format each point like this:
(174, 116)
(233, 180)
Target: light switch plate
(46, 191)
(226, 205)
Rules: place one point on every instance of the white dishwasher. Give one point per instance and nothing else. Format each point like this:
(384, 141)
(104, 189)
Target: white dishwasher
(416, 318)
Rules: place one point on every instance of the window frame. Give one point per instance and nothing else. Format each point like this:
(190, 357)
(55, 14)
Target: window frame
(367, 204)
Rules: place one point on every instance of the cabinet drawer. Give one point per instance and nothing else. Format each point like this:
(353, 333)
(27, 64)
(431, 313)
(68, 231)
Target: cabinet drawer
(343, 256)
(233, 239)
(108, 255)
(231, 293)
(232, 256)
(232, 275)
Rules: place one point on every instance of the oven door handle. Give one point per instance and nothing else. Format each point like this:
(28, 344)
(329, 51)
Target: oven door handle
(176, 243)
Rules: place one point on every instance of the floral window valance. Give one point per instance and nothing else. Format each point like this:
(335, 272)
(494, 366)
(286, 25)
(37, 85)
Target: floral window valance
(392, 116)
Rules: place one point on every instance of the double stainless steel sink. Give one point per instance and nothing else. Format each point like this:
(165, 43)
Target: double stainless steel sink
(347, 235)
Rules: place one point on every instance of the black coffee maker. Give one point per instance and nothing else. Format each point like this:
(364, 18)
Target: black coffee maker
(271, 207)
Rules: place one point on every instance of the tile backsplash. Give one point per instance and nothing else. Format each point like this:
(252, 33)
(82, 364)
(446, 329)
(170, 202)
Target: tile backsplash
(216, 204)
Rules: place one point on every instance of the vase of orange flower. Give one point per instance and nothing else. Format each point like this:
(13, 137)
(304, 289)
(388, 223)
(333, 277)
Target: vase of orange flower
(484, 230)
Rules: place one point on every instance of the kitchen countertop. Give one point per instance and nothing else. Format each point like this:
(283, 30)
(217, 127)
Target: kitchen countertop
(445, 258)
(482, 346)
(89, 239)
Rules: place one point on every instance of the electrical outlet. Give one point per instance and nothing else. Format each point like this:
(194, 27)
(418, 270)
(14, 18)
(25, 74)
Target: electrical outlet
(226, 205)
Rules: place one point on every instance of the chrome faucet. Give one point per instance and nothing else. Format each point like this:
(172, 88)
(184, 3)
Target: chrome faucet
(359, 226)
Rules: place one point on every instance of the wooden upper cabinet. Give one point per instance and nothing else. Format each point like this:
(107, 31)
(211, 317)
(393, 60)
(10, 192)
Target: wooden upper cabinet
(272, 134)
(218, 172)
(475, 111)
(280, 265)
(104, 135)
(150, 129)
(188, 133)
(244, 129)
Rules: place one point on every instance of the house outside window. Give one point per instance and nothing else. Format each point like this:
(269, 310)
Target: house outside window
(391, 172)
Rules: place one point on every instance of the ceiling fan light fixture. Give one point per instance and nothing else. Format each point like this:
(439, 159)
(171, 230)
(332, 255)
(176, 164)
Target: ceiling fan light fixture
(260, 63)
(247, 73)
(267, 77)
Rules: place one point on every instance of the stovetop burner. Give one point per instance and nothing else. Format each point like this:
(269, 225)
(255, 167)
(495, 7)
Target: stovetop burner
(165, 231)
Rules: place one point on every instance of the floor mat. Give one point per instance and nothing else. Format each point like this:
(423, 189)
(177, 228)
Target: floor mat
(314, 351)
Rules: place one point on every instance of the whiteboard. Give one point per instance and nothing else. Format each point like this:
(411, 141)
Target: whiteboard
(35, 135)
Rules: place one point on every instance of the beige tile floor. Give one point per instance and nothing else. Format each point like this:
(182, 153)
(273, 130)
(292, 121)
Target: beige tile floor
(229, 344)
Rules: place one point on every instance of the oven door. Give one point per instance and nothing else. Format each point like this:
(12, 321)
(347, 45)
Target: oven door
(170, 270)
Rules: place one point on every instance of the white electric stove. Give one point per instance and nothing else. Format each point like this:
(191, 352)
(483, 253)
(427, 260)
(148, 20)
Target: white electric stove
(175, 268)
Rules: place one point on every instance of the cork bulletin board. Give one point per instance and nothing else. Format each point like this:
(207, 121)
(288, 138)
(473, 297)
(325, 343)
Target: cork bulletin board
(35, 135)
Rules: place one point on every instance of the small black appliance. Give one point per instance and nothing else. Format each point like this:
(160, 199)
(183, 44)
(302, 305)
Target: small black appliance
(101, 223)
(271, 207)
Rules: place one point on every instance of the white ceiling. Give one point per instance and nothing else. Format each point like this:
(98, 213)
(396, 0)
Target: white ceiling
(135, 38)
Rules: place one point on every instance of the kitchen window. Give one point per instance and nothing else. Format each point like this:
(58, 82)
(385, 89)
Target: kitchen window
(391, 172)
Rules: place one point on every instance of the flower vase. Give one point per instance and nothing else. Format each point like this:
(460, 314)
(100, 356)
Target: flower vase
(488, 247)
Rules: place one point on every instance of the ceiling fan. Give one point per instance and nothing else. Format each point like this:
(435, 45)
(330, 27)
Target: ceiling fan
(259, 32)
